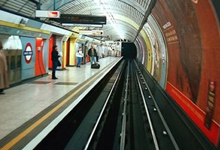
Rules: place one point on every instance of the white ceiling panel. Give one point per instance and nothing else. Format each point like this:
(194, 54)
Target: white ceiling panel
(121, 27)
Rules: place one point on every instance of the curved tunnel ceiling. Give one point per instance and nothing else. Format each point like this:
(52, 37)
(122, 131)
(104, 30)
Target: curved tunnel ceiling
(124, 17)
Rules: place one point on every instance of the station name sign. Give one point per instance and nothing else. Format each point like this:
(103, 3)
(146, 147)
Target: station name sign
(81, 19)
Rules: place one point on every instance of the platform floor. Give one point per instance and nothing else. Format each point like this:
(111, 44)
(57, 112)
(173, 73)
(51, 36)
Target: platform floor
(21, 103)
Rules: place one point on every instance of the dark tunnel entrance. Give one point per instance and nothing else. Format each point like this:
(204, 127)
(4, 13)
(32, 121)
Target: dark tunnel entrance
(129, 50)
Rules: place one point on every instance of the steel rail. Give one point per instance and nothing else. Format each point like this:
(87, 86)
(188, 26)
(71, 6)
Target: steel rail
(101, 114)
(148, 116)
(124, 114)
(160, 114)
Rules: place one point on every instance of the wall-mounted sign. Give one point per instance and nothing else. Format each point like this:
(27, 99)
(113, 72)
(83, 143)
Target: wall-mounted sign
(28, 52)
(47, 14)
(91, 32)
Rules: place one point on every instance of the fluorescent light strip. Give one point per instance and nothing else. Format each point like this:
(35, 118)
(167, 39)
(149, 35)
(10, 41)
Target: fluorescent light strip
(82, 25)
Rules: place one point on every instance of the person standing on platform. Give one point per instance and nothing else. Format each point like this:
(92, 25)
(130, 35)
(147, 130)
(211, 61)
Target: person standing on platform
(55, 56)
(92, 53)
(3, 71)
(97, 56)
(79, 56)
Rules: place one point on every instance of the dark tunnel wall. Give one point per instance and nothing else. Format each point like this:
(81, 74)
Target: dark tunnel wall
(216, 4)
(191, 31)
(129, 50)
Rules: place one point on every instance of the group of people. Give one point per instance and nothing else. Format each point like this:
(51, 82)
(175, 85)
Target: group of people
(92, 52)
(4, 83)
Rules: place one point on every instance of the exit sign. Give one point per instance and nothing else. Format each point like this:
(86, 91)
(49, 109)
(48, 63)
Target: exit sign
(47, 14)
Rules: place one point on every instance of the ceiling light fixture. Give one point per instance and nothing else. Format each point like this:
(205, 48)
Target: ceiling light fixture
(109, 16)
(82, 25)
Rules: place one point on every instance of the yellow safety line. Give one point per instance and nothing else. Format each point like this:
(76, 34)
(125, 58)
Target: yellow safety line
(33, 126)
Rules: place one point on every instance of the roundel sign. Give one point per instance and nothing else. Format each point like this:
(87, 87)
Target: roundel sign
(28, 53)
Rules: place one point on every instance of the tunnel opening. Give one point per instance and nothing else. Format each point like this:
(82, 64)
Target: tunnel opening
(129, 50)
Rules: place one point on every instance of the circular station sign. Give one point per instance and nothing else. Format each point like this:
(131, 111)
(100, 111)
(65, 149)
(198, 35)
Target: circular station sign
(28, 53)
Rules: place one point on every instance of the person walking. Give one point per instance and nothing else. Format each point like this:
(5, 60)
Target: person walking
(79, 56)
(55, 60)
(3, 71)
(92, 53)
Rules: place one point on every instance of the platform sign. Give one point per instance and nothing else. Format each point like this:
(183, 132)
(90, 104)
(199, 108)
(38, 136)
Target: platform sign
(91, 32)
(28, 52)
(47, 14)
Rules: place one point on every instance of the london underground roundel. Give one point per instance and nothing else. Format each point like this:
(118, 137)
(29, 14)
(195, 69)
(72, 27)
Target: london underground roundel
(28, 53)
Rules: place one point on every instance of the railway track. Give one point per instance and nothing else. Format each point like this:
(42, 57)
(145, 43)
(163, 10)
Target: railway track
(119, 114)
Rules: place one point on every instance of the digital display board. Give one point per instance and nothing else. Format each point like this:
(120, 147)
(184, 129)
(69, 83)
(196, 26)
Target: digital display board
(81, 19)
